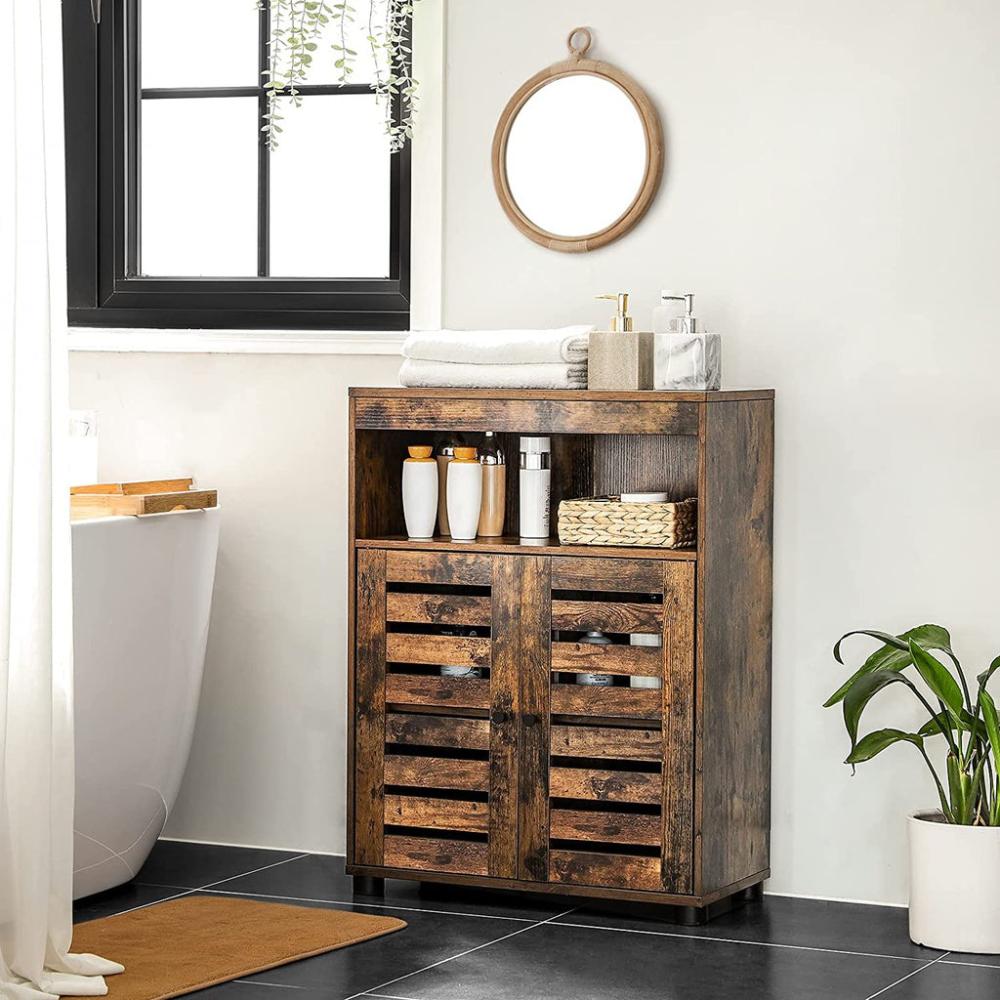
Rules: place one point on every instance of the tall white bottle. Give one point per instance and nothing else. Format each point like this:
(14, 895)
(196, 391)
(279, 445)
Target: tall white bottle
(535, 487)
(420, 492)
(465, 494)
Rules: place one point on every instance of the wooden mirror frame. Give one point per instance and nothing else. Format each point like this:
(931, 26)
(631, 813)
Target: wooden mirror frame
(578, 64)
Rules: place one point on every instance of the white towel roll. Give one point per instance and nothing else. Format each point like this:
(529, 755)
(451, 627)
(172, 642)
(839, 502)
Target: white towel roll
(500, 347)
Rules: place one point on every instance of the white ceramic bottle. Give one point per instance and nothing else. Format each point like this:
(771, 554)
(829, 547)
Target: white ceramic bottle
(535, 487)
(465, 494)
(420, 492)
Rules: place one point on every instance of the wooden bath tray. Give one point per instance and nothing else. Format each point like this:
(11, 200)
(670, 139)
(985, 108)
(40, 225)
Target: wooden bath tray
(158, 496)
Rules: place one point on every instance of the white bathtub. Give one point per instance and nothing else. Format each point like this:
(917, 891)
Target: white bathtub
(142, 591)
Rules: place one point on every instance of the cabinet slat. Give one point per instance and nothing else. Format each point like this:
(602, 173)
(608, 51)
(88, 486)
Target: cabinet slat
(607, 616)
(437, 650)
(437, 772)
(601, 741)
(437, 731)
(589, 658)
(605, 786)
(606, 826)
(619, 576)
(457, 568)
(619, 871)
(438, 609)
(454, 692)
(606, 702)
(436, 855)
(436, 814)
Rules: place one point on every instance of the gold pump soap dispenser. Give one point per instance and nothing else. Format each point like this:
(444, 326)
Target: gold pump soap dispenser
(620, 359)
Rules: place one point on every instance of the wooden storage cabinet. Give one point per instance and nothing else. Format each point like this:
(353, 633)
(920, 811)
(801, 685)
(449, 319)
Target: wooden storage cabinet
(519, 777)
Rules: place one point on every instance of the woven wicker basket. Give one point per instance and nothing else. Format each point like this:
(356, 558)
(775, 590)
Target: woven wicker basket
(608, 521)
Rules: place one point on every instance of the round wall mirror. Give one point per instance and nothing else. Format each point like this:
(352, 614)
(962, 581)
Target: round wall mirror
(578, 153)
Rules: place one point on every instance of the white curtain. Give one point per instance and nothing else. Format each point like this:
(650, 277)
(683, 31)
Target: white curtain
(36, 654)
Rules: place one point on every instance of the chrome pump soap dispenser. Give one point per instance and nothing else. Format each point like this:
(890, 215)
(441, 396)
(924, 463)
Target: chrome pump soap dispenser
(620, 358)
(683, 356)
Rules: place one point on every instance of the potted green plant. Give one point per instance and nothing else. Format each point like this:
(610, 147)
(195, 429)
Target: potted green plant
(955, 849)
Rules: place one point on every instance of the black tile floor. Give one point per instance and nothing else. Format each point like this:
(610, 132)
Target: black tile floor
(463, 944)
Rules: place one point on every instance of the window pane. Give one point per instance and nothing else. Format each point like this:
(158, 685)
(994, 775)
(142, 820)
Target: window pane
(351, 35)
(199, 43)
(199, 187)
(330, 190)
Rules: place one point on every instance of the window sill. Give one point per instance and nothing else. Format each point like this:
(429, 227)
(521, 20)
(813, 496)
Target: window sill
(235, 341)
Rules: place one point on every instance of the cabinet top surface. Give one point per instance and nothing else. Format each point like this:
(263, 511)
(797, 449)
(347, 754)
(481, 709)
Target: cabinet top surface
(645, 396)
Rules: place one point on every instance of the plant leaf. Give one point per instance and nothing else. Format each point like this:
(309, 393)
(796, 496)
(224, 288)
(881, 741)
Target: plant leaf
(984, 677)
(946, 720)
(938, 678)
(992, 723)
(874, 743)
(861, 692)
(893, 655)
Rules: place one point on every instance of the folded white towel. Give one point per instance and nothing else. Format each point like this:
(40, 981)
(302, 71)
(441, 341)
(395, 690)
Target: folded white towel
(444, 374)
(499, 347)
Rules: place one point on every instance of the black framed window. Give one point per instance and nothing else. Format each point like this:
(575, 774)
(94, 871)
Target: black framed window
(179, 215)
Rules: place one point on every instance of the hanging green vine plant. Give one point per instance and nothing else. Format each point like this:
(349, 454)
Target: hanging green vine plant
(298, 28)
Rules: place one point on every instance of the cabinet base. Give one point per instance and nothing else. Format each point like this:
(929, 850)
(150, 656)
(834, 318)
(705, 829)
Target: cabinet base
(693, 909)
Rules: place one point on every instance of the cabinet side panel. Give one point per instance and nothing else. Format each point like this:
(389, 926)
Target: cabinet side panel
(530, 634)
(369, 719)
(678, 727)
(734, 630)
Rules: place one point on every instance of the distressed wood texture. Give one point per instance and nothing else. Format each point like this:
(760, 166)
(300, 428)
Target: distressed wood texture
(436, 855)
(620, 871)
(734, 640)
(595, 785)
(585, 657)
(438, 609)
(437, 650)
(437, 731)
(521, 416)
(605, 616)
(606, 702)
(457, 568)
(369, 707)
(601, 741)
(606, 826)
(630, 576)
(522, 631)
(436, 814)
(437, 772)
(451, 692)
(678, 728)
(645, 463)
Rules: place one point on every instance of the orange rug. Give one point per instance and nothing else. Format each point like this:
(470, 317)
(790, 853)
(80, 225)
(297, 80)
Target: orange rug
(186, 944)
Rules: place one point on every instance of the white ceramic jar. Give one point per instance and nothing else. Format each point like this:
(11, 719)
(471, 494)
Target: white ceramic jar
(420, 492)
(465, 494)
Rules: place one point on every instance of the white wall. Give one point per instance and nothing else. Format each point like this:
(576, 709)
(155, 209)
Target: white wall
(831, 194)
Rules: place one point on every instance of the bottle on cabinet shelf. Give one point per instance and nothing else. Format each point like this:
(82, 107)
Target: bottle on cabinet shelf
(491, 514)
(420, 492)
(465, 494)
(535, 487)
(445, 453)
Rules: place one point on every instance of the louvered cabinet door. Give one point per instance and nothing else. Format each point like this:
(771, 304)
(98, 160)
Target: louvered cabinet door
(621, 752)
(444, 641)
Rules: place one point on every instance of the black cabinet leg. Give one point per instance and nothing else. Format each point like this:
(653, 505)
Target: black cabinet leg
(365, 885)
(692, 916)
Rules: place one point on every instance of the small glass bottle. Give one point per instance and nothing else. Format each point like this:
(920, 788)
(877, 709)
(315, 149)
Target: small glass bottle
(491, 513)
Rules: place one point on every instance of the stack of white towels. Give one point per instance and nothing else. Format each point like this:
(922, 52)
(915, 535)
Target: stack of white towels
(497, 359)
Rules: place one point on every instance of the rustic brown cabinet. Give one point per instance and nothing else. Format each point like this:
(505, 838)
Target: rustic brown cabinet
(654, 788)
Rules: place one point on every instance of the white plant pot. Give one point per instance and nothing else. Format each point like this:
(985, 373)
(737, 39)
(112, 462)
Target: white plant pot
(954, 885)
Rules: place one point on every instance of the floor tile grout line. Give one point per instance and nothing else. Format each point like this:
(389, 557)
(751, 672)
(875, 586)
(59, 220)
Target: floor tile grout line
(376, 906)
(202, 888)
(757, 944)
(276, 986)
(386, 996)
(915, 972)
(468, 951)
(970, 965)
